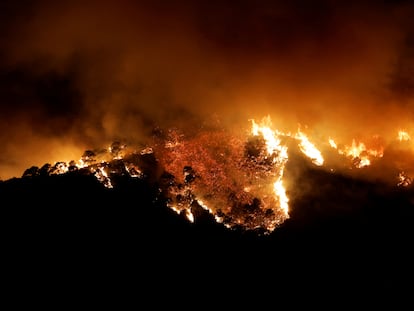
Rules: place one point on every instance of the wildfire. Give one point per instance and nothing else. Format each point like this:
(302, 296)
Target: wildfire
(237, 178)
(274, 147)
(360, 155)
(271, 138)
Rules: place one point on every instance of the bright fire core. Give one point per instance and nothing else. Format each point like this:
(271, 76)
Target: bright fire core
(238, 180)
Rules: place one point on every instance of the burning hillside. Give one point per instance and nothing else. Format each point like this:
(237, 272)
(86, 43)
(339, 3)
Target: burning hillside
(215, 203)
(243, 178)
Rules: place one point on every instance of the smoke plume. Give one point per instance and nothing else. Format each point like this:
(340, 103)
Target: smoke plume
(79, 74)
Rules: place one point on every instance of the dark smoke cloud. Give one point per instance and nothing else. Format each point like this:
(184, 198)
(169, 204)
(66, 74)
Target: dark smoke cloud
(77, 74)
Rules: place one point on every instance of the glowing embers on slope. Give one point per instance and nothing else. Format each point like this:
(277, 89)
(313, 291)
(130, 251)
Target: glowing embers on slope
(114, 161)
(404, 180)
(237, 178)
(405, 146)
(117, 160)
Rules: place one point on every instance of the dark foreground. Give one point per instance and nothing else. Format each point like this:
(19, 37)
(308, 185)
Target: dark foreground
(67, 236)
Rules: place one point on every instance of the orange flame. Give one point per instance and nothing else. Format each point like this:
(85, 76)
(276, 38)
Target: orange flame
(274, 147)
(403, 136)
(404, 180)
(360, 155)
(309, 149)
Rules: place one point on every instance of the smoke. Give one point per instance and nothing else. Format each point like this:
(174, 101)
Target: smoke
(79, 74)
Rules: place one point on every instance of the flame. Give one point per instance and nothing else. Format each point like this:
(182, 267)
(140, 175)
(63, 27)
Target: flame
(360, 155)
(332, 143)
(403, 179)
(280, 192)
(309, 149)
(273, 143)
(403, 136)
(102, 176)
(236, 178)
(274, 147)
(189, 215)
(216, 217)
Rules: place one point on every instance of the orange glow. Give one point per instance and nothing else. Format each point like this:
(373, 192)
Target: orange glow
(190, 105)
(403, 136)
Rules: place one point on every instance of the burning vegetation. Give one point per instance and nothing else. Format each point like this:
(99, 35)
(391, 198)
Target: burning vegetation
(238, 180)
(238, 177)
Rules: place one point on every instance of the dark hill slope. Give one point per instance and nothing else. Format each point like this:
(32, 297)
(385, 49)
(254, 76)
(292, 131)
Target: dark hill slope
(69, 230)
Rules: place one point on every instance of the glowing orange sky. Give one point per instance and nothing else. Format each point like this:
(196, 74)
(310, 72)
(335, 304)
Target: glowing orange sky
(75, 74)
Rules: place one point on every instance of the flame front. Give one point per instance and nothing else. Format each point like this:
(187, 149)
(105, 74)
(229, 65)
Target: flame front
(274, 148)
(236, 177)
(360, 155)
(309, 149)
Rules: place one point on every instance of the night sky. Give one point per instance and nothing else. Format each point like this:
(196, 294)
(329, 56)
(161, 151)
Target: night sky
(76, 75)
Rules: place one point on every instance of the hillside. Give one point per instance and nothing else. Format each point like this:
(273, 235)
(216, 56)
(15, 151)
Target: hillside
(349, 234)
